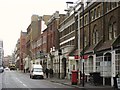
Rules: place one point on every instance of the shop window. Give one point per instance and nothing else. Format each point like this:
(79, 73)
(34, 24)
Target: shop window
(117, 63)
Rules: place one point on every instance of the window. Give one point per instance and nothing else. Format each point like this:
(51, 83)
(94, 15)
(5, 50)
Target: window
(117, 63)
(115, 30)
(110, 32)
(98, 11)
(99, 64)
(73, 26)
(110, 5)
(91, 15)
(37, 70)
(95, 37)
(44, 39)
(85, 40)
(113, 5)
(50, 27)
(94, 14)
(86, 19)
(80, 22)
(90, 64)
(107, 8)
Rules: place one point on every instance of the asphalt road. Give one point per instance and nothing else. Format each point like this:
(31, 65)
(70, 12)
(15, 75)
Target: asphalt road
(14, 79)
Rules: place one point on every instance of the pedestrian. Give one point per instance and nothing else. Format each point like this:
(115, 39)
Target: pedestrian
(118, 75)
(46, 72)
(116, 80)
(51, 72)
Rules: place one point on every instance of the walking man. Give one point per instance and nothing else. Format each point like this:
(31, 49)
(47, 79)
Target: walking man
(46, 72)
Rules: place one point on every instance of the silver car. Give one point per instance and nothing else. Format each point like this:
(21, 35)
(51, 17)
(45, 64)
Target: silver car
(1, 69)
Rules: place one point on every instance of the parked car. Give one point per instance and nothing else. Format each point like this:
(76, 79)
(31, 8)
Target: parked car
(1, 69)
(7, 68)
(36, 71)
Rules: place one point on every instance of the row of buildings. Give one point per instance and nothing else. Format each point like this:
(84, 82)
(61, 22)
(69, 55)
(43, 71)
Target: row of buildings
(1, 53)
(86, 34)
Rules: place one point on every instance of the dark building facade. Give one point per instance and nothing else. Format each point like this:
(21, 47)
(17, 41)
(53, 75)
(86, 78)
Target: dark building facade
(101, 39)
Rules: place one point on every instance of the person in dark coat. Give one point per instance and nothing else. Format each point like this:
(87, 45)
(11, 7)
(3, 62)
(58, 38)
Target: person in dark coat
(46, 72)
(51, 72)
(115, 80)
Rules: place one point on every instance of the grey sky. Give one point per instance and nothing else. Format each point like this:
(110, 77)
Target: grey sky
(15, 15)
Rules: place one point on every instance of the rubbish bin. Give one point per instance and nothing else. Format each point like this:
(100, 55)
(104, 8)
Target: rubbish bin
(74, 77)
(96, 78)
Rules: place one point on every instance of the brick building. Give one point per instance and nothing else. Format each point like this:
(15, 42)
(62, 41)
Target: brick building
(101, 44)
(22, 49)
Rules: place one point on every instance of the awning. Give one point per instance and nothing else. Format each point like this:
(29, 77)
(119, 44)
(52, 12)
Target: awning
(116, 42)
(75, 55)
(106, 45)
(89, 49)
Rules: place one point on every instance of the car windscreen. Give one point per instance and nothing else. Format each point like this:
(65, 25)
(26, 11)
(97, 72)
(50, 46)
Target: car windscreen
(37, 70)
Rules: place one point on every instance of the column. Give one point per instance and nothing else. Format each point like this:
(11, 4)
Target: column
(112, 67)
(94, 63)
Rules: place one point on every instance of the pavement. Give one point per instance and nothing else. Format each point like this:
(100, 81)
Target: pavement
(69, 83)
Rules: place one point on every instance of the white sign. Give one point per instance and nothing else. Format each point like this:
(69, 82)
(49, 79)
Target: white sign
(118, 83)
(71, 58)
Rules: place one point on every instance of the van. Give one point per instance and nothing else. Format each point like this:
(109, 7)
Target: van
(36, 71)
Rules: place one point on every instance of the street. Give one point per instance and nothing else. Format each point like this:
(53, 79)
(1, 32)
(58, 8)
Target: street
(14, 79)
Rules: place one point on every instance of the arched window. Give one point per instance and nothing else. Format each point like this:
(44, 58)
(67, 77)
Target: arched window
(110, 32)
(85, 40)
(112, 29)
(95, 36)
(115, 30)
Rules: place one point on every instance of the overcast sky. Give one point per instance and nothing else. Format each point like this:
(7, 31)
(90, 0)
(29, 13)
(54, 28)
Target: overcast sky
(15, 15)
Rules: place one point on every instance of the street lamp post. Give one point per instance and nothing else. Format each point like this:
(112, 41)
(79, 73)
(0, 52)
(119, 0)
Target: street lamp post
(82, 7)
(32, 57)
(83, 42)
(25, 62)
(59, 53)
(52, 56)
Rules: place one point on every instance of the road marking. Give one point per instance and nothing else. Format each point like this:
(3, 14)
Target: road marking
(22, 83)
(25, 85)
